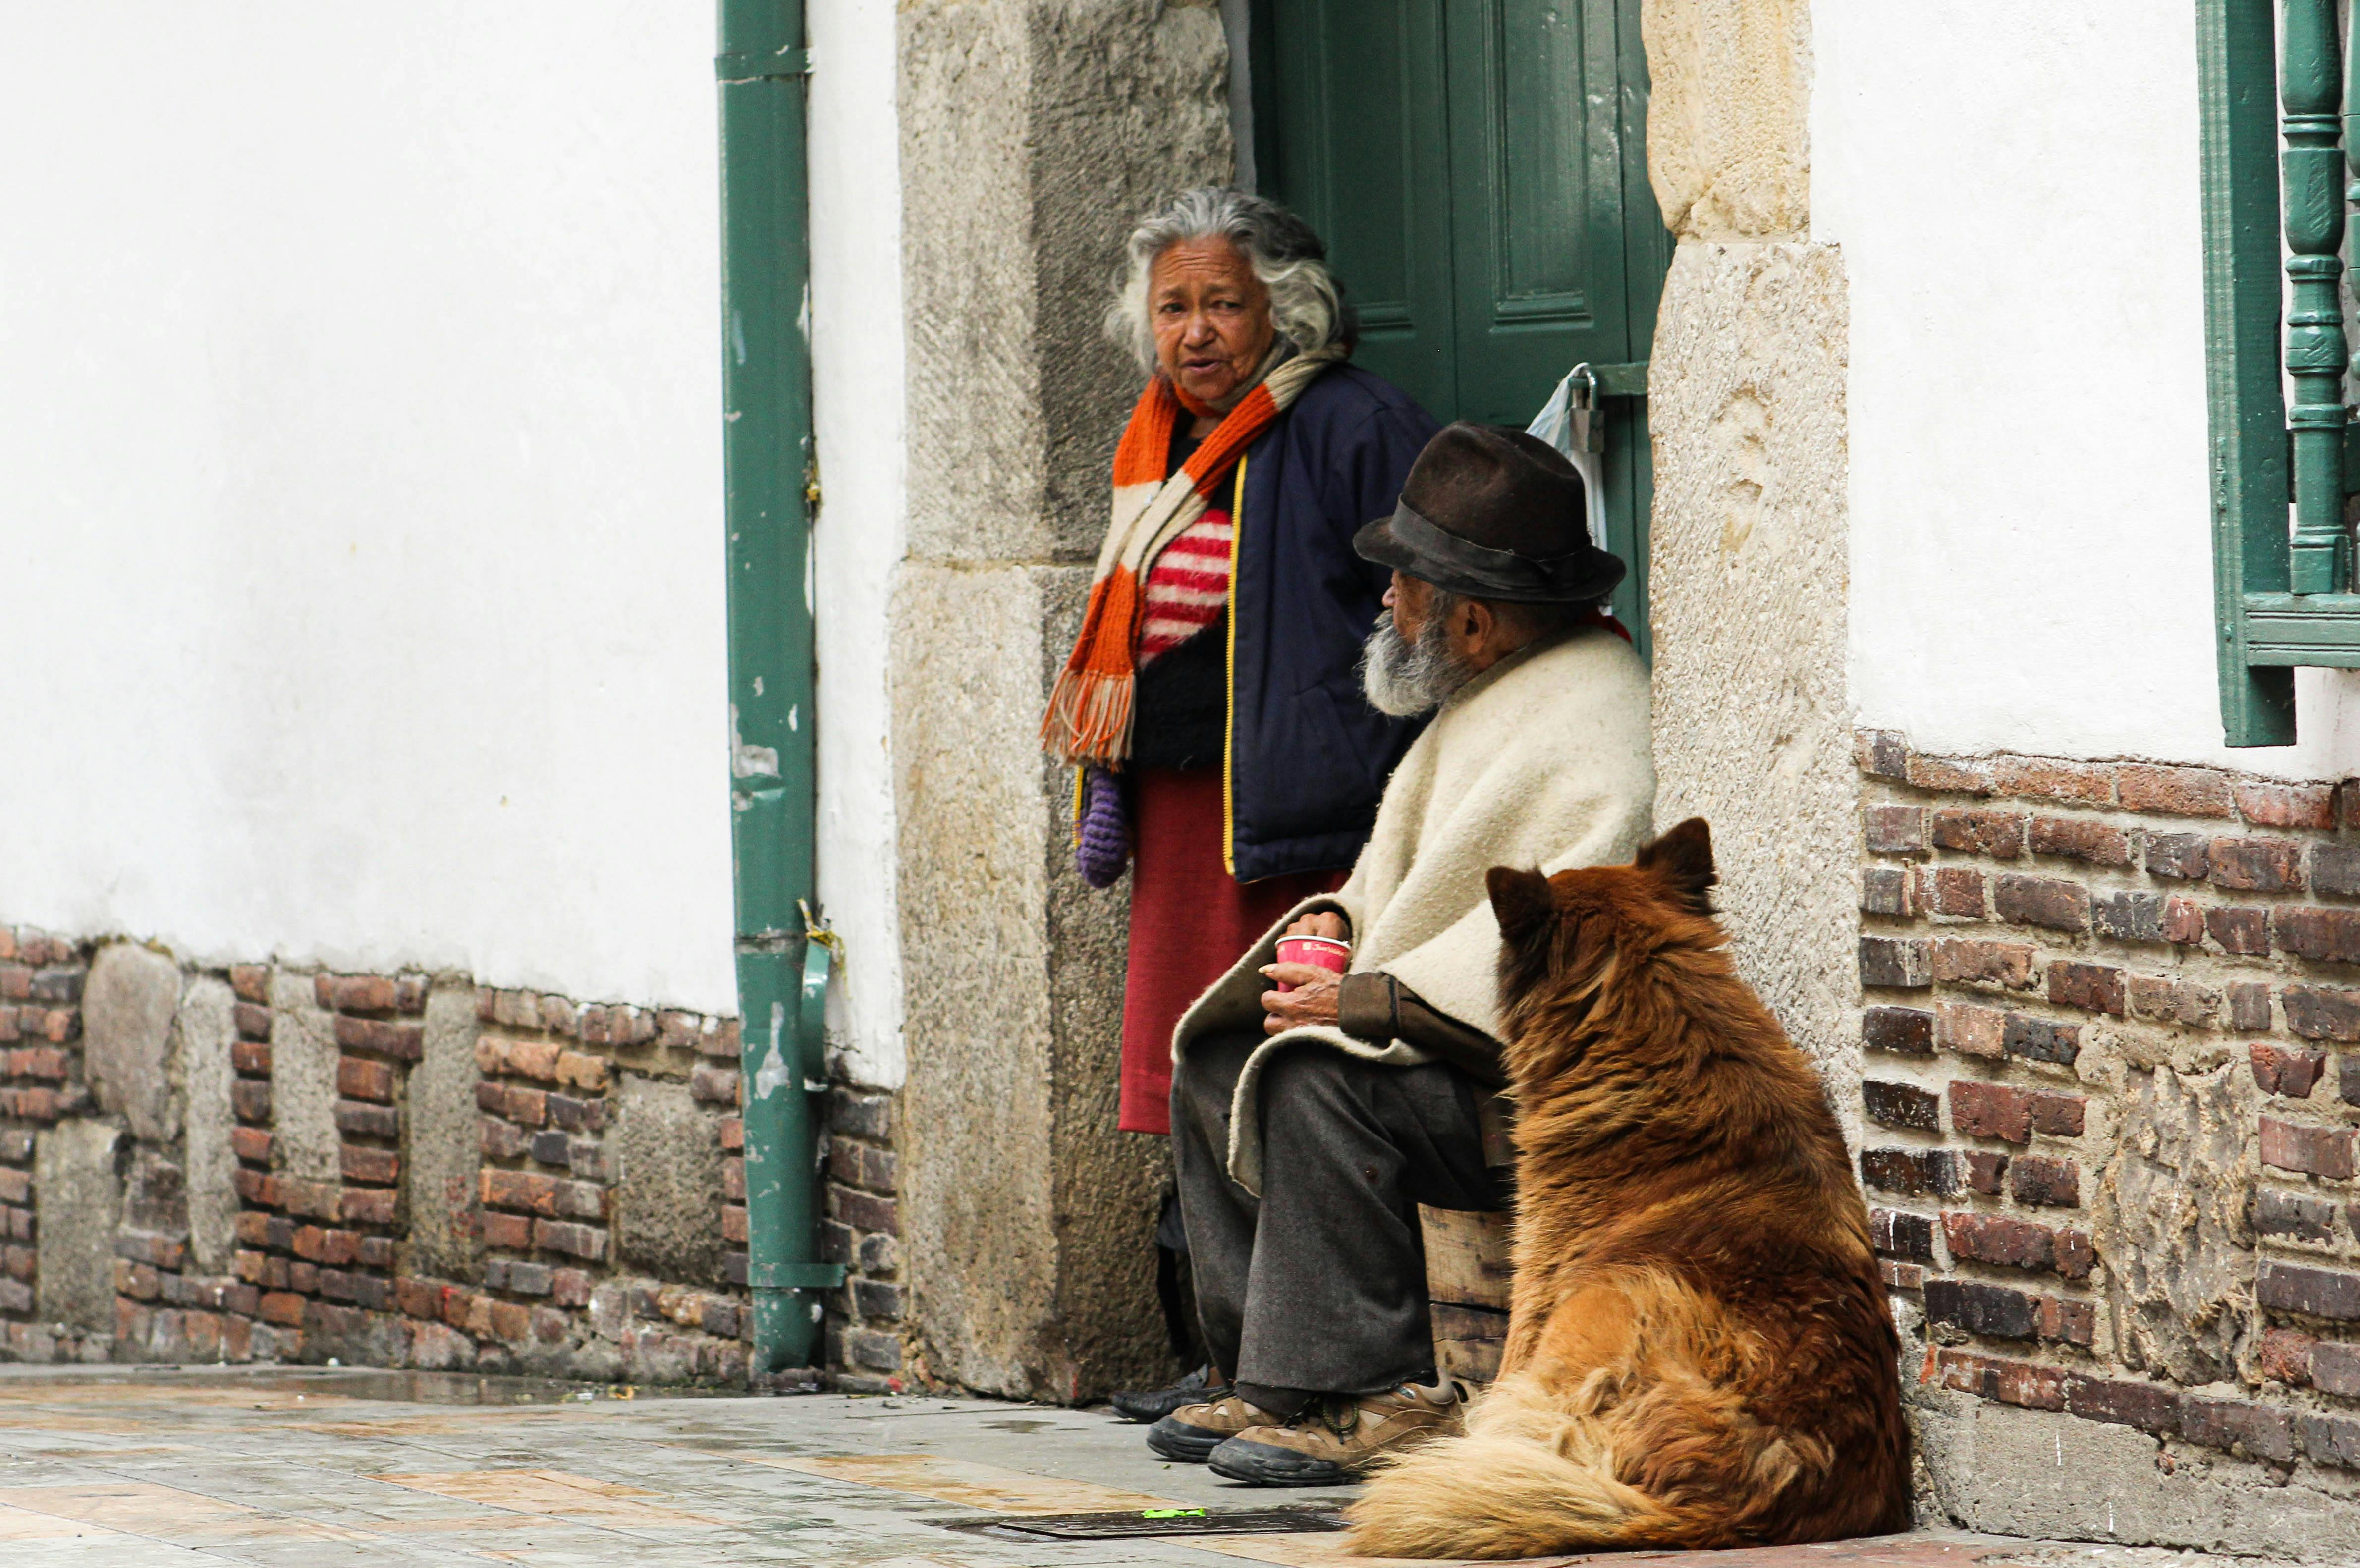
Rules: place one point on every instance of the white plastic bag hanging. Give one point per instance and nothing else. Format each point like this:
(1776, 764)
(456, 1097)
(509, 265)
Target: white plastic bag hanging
(1555, 424)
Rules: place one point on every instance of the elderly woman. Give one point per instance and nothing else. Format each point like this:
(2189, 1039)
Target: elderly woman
(1213, 698)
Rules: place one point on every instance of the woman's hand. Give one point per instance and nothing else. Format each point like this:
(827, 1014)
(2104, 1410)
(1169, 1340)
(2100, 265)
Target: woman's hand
(1313, 1000)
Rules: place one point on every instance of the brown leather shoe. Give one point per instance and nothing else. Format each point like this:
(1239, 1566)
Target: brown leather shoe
(1192, 1431)
(1338, 1435)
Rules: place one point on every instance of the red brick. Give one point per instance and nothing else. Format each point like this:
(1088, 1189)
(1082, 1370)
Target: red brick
(405, 1041)
(2315, 1151)
(2047, 778)
(2178, 791)
(2095, 986)
(733, 1180)
(1893, 830)
(46, 1062)
(2182, 1002)
(1883, 753)
(732, 1223)
(137, 1281)
(2335, 870)
(2183, 923)
(2328, 936)
(2009, 1382)
(369, 1205)
(2313, 1292)
(1959, 961)
(512, 1231)
(1998, 1110)
(419, 1298)
(1904, 1031)
(1954, 890)
(2334, 1367)
(250, 1144)
(585, 1242)
(559, 1016)
(377, 1166)
(357, 1078)
(1889, 890)
(2150, 1407)
(250, 1056)
(313, 1200)
(2260, 1431)
(2279, 1071)
(1999, 834)
(2249, 1005)
(733, 1132)
(1901, 1104)
(2181, 856)
(2042, 901)
(713, 1084)
(526, 1190)
(281, 1308)
(526, 1107)
(1950, 775)
(511, 1322)
(2255, 865)
(354, 993)
(2074, 838)
(1968, 1030)
(16, 1186)
(580, 1071)
(250, 981)
(2284, 1354)
(1984, 1172)
(2013, 1243)
(2245, 933)
(2269, 805)
(534, 1059)
(570, 1288)
(2046, 1184)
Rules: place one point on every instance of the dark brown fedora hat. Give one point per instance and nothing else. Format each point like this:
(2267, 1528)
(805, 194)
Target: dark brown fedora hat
(1494, 513)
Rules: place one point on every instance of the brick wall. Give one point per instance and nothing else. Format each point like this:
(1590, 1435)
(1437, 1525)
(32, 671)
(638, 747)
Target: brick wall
(2111, 1032)
(501, 1253)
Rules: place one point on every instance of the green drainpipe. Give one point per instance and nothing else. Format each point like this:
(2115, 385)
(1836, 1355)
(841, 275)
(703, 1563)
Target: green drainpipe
(767, 458)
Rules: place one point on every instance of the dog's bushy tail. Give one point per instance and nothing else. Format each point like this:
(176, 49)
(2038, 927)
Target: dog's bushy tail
(1532, 1477)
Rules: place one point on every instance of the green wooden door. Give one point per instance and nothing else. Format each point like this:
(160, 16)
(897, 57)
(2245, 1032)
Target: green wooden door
(1478, 170)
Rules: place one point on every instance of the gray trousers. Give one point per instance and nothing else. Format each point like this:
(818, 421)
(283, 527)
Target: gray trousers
(1320, 1284)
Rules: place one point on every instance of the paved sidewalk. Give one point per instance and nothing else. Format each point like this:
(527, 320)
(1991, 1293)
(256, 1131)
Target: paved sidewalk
(159, 1467)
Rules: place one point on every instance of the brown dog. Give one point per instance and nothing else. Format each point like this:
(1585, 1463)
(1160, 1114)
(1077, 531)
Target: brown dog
(1699, 1353)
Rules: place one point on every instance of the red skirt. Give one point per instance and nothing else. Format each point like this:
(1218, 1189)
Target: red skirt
(1190, 921)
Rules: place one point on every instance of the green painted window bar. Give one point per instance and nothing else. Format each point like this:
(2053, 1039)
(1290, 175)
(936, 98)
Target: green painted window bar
(2279, 102)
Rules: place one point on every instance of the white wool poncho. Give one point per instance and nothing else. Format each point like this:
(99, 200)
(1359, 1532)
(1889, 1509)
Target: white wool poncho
(1543, 761)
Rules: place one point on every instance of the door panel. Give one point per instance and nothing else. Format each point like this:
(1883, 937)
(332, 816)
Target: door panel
(1536, 164)
(1362, 152)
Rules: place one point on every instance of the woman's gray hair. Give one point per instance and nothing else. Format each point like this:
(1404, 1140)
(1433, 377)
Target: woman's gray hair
(1306, 307)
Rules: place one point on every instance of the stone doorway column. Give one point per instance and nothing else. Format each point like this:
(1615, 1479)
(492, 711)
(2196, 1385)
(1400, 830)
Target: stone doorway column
(1034, 134)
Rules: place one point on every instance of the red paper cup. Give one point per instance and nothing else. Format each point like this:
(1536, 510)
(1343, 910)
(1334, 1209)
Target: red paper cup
(1319, 951)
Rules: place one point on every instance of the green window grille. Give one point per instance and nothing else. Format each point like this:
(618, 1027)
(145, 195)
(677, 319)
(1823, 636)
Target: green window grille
(2278, 139)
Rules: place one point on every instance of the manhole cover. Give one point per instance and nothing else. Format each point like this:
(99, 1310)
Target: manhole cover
(1156, 1522)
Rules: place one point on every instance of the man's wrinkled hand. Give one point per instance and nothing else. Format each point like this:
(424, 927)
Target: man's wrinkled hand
(1320, 922)
(1313, 1000)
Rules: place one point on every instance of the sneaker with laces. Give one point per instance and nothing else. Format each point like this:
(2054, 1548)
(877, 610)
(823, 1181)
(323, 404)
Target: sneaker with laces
(1192, 1431)
(1338, 1435)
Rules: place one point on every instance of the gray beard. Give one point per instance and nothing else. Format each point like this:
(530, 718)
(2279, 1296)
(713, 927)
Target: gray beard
(1405, 678)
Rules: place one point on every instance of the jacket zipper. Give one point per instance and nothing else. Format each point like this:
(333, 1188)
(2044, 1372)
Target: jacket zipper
(1229, 710)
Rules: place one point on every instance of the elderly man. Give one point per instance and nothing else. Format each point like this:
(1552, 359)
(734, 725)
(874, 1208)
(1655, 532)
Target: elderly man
(1308, 1123)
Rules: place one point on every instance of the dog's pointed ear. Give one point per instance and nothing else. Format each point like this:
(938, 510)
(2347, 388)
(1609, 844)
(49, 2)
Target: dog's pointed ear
(1682, 861)
(1521, 899)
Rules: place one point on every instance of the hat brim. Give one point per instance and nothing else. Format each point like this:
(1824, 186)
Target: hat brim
(1590, 576)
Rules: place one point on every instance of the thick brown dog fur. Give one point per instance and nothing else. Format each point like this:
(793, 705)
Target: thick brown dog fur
(1699, 1353)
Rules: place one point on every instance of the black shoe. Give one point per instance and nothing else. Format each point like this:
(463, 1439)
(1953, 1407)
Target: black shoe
(1150, 1406)
(1192, 1431)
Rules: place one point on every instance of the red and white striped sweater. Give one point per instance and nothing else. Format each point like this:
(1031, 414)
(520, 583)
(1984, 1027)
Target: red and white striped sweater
(1187, 587)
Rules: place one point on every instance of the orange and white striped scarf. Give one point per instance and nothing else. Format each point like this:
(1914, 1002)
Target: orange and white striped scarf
(1091, 706)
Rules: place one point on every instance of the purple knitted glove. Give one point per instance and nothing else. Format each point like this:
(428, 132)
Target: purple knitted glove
(1102, 837)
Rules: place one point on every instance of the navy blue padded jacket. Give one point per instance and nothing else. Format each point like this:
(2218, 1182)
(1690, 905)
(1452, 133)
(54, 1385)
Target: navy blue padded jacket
(1307, 757)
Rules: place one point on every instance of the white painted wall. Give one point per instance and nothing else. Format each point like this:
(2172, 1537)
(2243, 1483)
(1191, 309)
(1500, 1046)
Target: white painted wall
(2013, 184)
(360, 486)
(857, 396)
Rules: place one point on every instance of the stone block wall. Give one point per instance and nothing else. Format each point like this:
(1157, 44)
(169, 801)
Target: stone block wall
(2111, 1042)
(262, 1163)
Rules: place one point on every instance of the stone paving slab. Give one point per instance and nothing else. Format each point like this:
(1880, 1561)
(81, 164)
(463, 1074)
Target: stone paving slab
(294, 1468)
